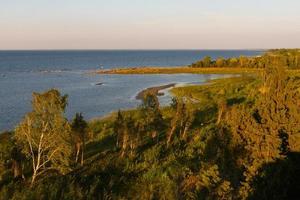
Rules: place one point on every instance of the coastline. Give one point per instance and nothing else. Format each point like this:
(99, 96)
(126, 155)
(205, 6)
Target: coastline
(159, 90)
(177, 70)
(155, 90)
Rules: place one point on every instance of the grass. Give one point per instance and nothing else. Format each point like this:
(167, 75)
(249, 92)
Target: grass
(228, 88)
(203, 98)
(204, 102)
(104, 168)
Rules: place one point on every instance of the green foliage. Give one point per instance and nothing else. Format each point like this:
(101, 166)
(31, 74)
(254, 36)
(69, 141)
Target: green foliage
(289, 58)
(183, 118)
(154, 185)
(44, 134)
(269, 129)
(235, 138)
(6, 149)
(150, 115)
(207, 185)
(79, 126)
(79, 129)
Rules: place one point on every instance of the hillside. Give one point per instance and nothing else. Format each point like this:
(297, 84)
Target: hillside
(235, 138)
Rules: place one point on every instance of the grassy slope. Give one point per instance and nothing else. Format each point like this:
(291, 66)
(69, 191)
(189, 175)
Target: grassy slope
(235, 90)
(102, 155)
(153, 163)
(153, 160)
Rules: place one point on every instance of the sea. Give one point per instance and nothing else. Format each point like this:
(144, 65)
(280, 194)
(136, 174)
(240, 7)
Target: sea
(94, 95)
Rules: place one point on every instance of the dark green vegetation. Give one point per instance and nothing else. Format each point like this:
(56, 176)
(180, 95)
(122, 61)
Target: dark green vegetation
(235, 138)
(289, 58)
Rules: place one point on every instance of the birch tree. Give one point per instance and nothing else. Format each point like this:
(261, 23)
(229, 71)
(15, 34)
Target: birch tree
(44, 134)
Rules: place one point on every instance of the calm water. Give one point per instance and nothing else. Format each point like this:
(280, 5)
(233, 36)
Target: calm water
(22, 72)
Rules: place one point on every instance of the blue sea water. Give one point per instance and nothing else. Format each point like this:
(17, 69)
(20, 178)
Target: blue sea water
(24, 72)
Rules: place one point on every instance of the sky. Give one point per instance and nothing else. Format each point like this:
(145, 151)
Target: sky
(149, 24)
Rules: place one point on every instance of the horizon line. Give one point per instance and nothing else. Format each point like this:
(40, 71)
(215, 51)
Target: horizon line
(150, 49)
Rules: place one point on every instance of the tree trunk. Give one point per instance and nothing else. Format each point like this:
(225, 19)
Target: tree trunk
(82, 149)
(77, 146)
(124, 145)
(117, 144)
(17, 169)
(170, 135)
(38, 162)
(34, 175)
(131, 148)
(220, 116)
(186, 128)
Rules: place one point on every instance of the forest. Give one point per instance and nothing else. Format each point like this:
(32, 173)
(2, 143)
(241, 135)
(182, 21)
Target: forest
(234, 138)
(289, 58)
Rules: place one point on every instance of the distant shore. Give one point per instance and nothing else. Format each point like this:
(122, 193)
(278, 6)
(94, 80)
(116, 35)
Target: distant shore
(177, 70)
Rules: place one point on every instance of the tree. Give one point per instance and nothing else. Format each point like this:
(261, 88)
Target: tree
(182, 120)
(233, 62)
(10, 156)
(220, 62)
(133, 136)
(208, 184)
(176, 120)
(79, 133)
(119, 128)
(280, 57)
(130, 130)
(16, 162)
(243, 61)
(270, 129)
(44, 134)
(206, 61)
(128, 135)
(151, 120)
(222, 107)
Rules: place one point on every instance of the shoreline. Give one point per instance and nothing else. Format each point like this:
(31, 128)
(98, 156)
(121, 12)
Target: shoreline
(155, 90)
(177, 70)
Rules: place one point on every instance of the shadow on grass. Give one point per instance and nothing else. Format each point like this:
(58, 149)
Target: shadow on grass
(96, 147)
(233, 101)
(279, 180)
(204, 116)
